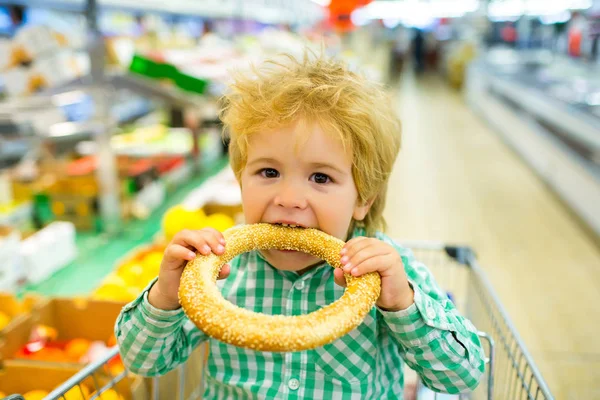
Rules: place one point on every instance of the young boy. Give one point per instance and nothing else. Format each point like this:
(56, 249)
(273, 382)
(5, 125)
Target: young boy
(312, 145)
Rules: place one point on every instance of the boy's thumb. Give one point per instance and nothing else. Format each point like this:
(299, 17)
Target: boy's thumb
(224, 273)
(338, 277)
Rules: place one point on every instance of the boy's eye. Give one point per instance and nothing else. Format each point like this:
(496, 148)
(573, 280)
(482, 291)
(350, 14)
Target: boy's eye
(320, 178)
(269, 173)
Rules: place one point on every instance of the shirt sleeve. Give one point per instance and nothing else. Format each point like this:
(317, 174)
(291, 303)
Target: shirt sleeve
(151, 341)
(441, 345)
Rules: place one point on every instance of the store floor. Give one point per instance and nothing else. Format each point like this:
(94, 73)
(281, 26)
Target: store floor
(456, 181)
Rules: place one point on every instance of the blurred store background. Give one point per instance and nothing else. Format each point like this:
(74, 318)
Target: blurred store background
(110, 143)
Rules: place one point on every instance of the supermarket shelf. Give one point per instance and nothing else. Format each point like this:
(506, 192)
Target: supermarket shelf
(136, 83)
(49, 118)
(283, 11)
(151, 88)
(581, 125)
(99, 253)
(64, 5)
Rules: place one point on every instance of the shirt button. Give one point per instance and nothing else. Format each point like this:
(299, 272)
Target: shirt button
(300, 285)
(430, 313)
(294, 384)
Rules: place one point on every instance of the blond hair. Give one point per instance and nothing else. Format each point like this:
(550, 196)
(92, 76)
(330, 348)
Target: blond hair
(321, 90)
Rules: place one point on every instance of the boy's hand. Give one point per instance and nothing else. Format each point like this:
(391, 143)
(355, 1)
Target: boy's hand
(183, 247)
(362, 255)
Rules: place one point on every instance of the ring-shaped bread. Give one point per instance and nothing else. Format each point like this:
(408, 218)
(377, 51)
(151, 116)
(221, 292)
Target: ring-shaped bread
(203, 303)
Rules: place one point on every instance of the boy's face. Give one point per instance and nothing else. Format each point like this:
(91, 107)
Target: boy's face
(302, 176)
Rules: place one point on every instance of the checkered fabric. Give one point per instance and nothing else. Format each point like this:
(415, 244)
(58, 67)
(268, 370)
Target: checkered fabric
(367, 363)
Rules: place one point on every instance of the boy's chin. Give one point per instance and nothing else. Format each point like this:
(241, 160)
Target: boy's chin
(289, 260)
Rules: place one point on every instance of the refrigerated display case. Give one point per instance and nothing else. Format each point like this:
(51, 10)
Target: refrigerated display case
(546, 107)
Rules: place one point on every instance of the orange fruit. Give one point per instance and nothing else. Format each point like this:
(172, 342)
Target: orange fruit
(49, 354)
(77, 348)
(116, 369)
(112, 341)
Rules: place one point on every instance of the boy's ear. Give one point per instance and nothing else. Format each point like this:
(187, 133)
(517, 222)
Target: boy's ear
(361, 210)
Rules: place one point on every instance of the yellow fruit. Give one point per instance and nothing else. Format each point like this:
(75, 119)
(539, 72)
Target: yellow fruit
(113, 288)
(4, 320)
(77, 393)
(133, 292)
(151, 263)
(178, 218)
(35, 395)
(110, 394)
(2, 395)
(116, 293)
(131, 274)
(220, 222)
(114, 279)
(147, 278)
(128, 266)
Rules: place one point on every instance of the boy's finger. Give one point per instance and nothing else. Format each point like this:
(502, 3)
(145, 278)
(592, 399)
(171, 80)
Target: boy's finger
(354, 247)
(217, 233)
(338, 277)
(203, 241)
(352, 260)
(351, 243)
(178, 252)
(224, 273)
(192, 240)
(377, 263)
(212, 238)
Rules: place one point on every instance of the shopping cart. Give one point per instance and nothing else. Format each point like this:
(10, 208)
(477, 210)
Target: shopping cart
(510, 371)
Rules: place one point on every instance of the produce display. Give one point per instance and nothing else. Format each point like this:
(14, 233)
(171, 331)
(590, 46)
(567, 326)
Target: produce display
(4, 320)
(138, 269)
(38, 57)
(12, 310)
(179, 218)
(130, 277)
(44, 346)
(81, 392)
(52, 202)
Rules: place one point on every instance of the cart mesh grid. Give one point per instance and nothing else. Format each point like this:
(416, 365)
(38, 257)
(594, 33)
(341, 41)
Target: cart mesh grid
(510, 371)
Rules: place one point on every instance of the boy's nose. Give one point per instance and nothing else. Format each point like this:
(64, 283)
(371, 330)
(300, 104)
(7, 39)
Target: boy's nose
(290, 197)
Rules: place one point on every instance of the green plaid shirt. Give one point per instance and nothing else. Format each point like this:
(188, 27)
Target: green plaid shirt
(367, 363)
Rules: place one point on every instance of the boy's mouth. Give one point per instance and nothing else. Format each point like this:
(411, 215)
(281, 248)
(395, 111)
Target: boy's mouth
(289, 224)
